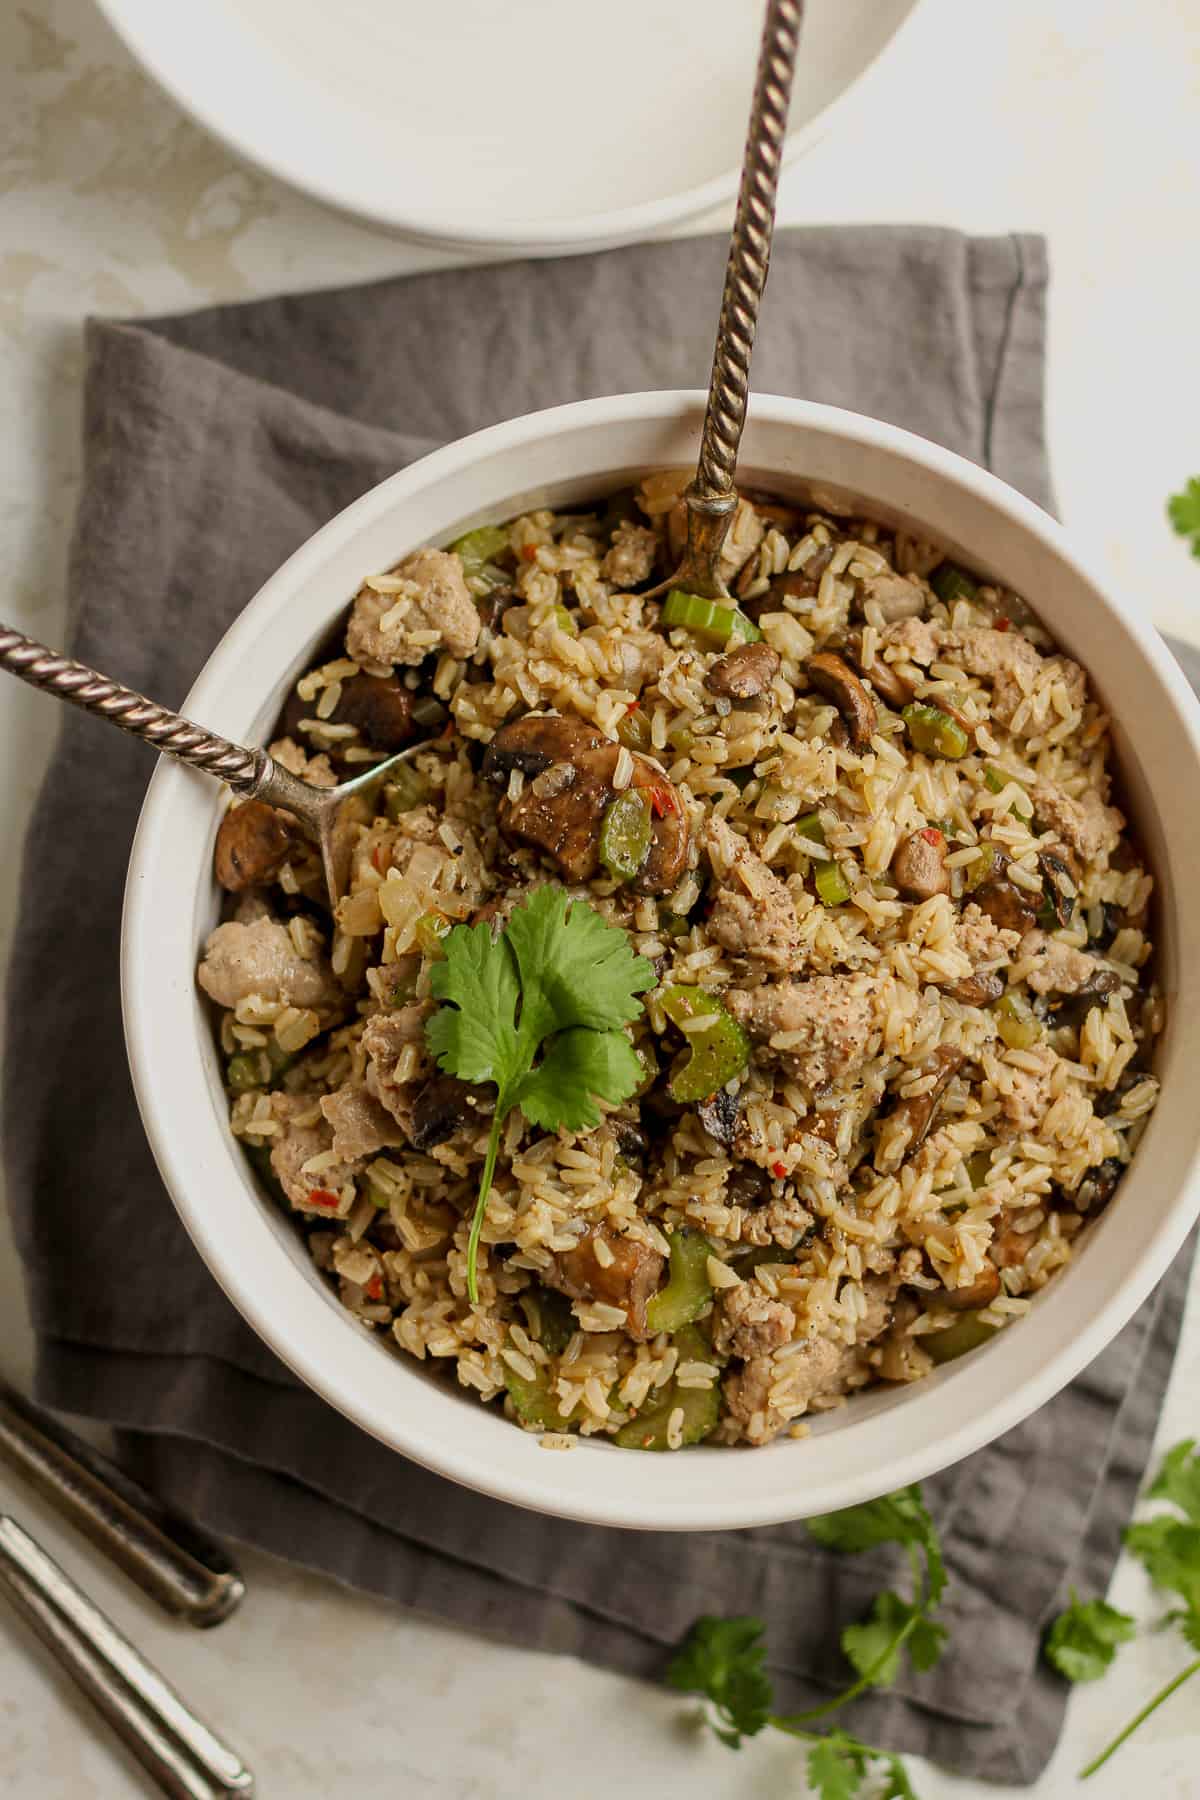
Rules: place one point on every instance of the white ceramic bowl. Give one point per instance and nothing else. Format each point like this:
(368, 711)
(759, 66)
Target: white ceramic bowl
(527, 126)
(878, 1441)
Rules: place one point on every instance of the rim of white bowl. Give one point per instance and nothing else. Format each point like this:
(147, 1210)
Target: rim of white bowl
(478, 231)
(1011, 1378)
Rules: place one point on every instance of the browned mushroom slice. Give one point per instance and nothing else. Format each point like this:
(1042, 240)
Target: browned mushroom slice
(531, 744)
(1002, 900)
(920, 1111)
(833, 677)
(625, 1273)
(919, 865)
(254, 841)
(796, 584)
(744, 673)
(982, 1291)
(444, 1106)
(379, 707)
(569, 767)
(719, 1115)
(1059, 885)
(887, 681)
(975, 990)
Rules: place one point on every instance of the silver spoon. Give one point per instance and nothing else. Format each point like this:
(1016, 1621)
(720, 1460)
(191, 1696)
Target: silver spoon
(252, 773)
(711, 498)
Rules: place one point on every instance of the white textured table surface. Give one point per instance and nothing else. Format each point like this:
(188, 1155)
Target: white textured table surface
(1080, 118)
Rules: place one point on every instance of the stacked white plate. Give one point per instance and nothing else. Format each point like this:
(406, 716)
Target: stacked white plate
(534, 125)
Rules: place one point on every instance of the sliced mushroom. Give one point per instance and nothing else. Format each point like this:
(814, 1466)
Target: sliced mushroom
(626, 1274)
(919, 865)
(565, 822)
(1005, 904)
(833, 677)
(887, 681)
(719, 1115)
(254, 841)
(380, 708)
(631, 1140)
(1010, 1247)
(920, 1111)
(795, 584)
(443, 1106)
(976, 990)
(1060, 885)
(1098, 1186)
(532, 743)
(744, 673)
(982, 1291)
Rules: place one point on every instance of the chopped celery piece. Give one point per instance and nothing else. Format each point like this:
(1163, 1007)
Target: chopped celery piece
(950, 583)
(688, 1290)
(565, 622)
(244, 1071)
(556, 1321)
(430, 929)
(1016, 1022)
(809, 826)
(965, 1334)
(406, 789)
(977, 872)
(831, 885)
(709, 619)
(997, 781)
(481, 546)
(935, 732)
(701, 1407)
(634, 730)
(718, 1052)
(979, 1167)
(534, 1401)
(625, 835)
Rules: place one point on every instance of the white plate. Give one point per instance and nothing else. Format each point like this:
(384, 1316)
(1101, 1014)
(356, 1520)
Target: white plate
(516, 124)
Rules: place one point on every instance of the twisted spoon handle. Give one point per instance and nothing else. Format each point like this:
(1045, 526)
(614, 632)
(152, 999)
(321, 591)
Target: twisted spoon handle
(749, 252)
(66, 679)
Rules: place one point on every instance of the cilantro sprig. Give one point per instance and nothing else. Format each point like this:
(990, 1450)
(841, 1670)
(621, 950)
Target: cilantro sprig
(1183, 510)
(558, 982)
(724, 1660)
(1084, 1639)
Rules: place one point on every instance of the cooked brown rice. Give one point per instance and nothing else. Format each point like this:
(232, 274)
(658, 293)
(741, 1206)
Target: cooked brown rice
(942, 962)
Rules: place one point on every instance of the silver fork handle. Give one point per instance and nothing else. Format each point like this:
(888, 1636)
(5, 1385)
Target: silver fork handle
(66, 679)
(185, 1758)
(749, 252)
(167, 1557)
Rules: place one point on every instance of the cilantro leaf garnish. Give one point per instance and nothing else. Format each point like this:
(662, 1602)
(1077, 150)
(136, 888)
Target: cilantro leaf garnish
(1183, 510)
(724, 1659)
(1084, 1639)
(1179, 1478)
(558, 980)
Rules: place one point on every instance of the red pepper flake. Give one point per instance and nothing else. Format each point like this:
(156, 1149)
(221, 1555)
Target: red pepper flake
(375, 1288)
(779, 1170)
(1003, 624)
(634, 706)
(662, 800)
(323, 1198)
(529, 552)
(932, 835)
(379, 857)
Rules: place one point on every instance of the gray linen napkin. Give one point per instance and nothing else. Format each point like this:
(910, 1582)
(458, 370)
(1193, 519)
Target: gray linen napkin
(215, 443)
